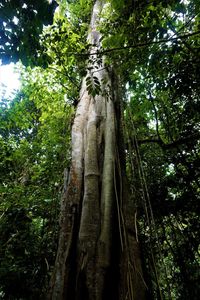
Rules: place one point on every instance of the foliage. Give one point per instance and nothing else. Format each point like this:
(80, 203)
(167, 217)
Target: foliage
(162, 117)
(35, 143)
(21, 22)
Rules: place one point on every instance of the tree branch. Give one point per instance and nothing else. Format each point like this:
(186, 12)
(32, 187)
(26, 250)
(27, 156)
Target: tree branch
(180, 141)
(172, 27)
(101, 52)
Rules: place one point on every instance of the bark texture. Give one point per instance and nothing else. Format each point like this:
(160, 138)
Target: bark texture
(98, 255)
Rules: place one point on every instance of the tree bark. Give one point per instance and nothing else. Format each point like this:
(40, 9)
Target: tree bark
(98, 254)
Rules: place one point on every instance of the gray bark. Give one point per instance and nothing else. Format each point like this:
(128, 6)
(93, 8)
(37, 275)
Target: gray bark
(91, 263)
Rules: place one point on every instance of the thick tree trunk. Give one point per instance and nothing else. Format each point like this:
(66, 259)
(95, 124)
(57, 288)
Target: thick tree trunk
(97, 256)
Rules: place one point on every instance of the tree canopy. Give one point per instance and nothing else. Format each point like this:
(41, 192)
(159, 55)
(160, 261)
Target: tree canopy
(21, 23)
(154, 48)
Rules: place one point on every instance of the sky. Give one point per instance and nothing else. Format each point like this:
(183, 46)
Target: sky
(8, 79)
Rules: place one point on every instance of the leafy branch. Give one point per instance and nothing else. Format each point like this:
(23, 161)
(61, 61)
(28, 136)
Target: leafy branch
(101, 52)
(93, 85)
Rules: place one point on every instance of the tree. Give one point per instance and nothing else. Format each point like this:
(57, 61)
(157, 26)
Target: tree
(98, 247)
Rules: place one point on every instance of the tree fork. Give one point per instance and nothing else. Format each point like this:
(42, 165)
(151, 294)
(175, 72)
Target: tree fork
(97, 213)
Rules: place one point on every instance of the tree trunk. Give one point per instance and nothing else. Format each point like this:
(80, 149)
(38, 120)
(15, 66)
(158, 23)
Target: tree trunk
(98, 256)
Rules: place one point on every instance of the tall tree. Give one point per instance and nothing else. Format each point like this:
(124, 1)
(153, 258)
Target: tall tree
(98, 253)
